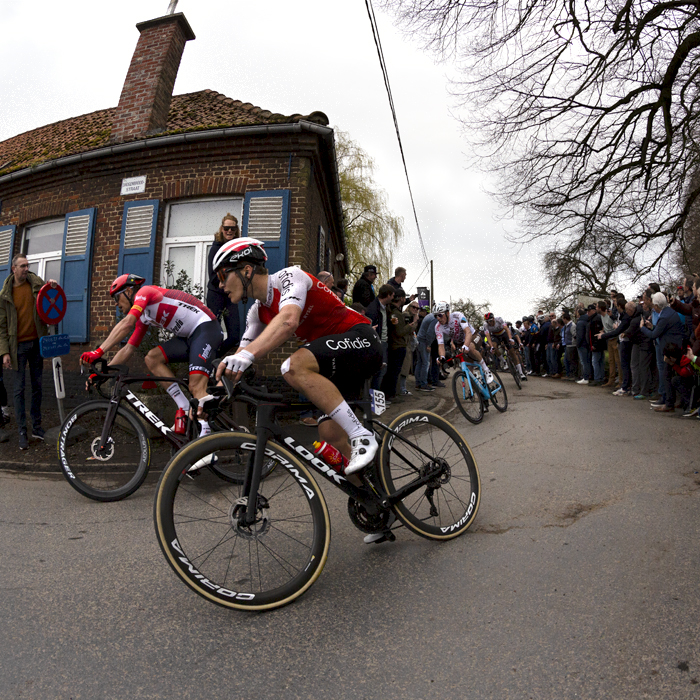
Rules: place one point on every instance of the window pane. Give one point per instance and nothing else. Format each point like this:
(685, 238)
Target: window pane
(34, 266)
(201, 218)
(53, 270)
(182, 258)
(44, 238)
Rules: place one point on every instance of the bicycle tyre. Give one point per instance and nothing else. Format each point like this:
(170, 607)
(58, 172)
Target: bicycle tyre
(500, 399)
(126, 467)
(246, 569)
(514, 373)
(469, 401)
(458, 493)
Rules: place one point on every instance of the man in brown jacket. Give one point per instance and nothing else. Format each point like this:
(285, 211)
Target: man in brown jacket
(20, 330)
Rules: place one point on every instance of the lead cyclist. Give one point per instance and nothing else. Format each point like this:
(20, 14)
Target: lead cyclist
(340, 351)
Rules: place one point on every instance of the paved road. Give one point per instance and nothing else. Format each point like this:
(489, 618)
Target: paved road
(579, 579)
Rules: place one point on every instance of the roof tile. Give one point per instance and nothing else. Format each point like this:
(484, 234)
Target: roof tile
(206, 109)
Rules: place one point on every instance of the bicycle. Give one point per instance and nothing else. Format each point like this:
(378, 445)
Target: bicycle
(472, 393)
(261, 544)
(103, 447)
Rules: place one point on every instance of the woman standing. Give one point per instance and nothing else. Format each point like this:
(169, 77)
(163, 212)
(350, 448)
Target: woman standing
(217, 299)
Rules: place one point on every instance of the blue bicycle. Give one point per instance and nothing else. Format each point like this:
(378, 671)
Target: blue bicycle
(472, 393)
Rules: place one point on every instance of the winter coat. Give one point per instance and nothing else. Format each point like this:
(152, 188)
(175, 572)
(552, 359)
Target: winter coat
(8, 316)
(362, 292)
(668, 329)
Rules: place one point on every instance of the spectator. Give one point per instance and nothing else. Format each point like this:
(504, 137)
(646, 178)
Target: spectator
(668, 329)
(20, 330)
(411, 315)
(377, 313)
(595, 326)
(569, 343)
(341, 289)
(542, 337)
(691, 310)
(359, 308)
(398, 279)
(609, 324)
(399, 332)
(363, 291)
(583, 346)
(682, 379)
(624, 346)
(326, 278)
(427, 372)
(217, 300)
(641, 353)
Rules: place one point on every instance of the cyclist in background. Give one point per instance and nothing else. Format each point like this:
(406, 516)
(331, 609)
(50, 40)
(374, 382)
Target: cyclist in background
(341, 349)
(498, 333)
(198, 335)
(453, 328)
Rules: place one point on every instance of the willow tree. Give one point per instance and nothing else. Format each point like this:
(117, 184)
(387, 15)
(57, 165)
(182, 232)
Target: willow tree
(372, 231)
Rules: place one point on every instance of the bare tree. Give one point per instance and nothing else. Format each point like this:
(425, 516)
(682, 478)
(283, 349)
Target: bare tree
(473, 311)
(587, 109)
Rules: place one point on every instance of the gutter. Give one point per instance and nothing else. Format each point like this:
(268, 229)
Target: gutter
(325, 132)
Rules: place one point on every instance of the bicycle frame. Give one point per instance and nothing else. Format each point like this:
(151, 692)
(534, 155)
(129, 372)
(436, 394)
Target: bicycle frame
(481, 385)
(371, 495)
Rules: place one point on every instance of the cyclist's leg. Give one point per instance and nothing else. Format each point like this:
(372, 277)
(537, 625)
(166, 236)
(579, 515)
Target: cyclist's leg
(157, 359)
(476, 355)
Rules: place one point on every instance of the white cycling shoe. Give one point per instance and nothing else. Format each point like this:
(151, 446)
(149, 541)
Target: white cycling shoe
(489, 378)
(364, 448)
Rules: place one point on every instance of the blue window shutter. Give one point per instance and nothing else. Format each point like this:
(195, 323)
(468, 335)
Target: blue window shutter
(266, 217)
(76, 268)
(138, 240)
(7, 245)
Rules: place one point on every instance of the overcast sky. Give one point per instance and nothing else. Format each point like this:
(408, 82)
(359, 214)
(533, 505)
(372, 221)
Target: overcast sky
(62, 59)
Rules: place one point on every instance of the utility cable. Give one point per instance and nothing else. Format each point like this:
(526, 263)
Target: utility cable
(385, 74)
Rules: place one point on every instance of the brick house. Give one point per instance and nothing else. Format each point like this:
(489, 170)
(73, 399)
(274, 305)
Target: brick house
(131, 188)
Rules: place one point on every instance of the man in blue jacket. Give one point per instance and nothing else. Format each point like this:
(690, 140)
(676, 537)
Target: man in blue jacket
(426, 337)
(668, 329)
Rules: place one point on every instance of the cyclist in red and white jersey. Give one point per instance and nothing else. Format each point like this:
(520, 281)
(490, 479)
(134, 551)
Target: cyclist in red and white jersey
(341, 350)
(455, 329)
(197, 334)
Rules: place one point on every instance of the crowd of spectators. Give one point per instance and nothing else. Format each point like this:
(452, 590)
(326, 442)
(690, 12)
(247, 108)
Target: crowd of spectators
(649, 346)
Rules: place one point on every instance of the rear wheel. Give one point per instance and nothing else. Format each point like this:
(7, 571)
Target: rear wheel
(445, 506)
(200, 529)
(514, 373)
(467, 398)
(113, 473)
(499, 398)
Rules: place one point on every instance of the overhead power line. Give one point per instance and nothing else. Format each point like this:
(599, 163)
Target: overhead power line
(385, 74)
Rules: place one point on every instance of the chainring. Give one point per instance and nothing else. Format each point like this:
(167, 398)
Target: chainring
(365, 521)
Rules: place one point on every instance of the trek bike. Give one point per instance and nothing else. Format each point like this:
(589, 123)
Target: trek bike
(104, 448)
(261, 544)
(472, 393)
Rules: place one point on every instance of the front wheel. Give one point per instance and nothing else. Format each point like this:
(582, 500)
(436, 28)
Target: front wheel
(113, 473)
(514, 372)
(420, 443)
(201, 532)
(499, 398)
(467, 398)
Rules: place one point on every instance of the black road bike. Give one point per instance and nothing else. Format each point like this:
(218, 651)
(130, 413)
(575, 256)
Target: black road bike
(103, 447)
(260, 544)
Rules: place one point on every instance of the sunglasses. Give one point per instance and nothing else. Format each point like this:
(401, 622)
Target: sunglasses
(224, 273)
(230, 228)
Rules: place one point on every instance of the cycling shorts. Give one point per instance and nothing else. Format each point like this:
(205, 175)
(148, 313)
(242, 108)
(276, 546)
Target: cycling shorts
(348, 358)
(500, 340)
(199, 349)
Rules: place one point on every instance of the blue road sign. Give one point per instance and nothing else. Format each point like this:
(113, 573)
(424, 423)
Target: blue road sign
(54, 345)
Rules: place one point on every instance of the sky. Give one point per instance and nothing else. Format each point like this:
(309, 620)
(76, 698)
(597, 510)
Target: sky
(60, 60)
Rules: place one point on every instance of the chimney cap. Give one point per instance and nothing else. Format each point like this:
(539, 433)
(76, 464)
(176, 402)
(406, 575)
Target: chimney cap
(178, 17)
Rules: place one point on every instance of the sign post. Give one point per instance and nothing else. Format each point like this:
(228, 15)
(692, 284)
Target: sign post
(51, 306)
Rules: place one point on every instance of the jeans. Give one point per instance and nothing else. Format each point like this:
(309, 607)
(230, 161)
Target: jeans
(3, 391)
(584, 356)
(661, 366)
(218, 303)
(395, 358)
(551, 359)
(570, 360)
(598, 366)
(422, 364)
(613, 359)
(28, 354)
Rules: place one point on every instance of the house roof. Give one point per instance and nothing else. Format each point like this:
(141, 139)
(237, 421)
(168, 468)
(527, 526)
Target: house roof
(195, 111)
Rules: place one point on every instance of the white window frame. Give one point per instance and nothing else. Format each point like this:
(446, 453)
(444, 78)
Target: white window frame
(201, 243)
(42, 258)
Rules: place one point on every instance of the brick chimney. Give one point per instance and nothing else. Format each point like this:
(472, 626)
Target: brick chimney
(148, 88)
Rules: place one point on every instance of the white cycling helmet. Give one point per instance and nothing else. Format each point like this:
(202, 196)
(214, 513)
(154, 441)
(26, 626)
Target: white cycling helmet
(240, 250)
(441, 307)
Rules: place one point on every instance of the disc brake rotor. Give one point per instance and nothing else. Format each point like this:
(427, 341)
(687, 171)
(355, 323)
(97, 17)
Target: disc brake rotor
(105, 454)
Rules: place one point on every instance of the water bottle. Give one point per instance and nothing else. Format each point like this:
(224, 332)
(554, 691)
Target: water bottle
(180, 422)
(331, 456)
